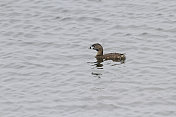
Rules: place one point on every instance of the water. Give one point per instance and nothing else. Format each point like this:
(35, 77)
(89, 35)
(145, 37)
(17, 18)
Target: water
(47, 69)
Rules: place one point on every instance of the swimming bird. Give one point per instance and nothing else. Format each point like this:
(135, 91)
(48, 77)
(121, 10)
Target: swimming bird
(110, 56)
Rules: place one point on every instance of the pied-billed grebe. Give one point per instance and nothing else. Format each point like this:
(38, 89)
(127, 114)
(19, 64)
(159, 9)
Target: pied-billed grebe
(110, 56)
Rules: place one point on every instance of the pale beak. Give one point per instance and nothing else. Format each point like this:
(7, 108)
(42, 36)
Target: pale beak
(91, 47)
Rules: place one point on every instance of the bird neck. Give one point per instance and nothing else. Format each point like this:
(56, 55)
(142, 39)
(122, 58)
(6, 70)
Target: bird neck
(100, 52)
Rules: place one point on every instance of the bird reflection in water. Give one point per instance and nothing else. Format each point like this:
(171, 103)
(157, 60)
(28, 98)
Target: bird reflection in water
(96, 74)
(99, 65)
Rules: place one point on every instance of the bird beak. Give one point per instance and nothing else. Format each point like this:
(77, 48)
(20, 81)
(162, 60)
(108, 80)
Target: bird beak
(91, 47)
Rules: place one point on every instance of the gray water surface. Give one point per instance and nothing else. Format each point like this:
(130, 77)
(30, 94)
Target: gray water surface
(48, 70)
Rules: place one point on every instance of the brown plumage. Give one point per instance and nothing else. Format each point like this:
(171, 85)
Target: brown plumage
(111, 56)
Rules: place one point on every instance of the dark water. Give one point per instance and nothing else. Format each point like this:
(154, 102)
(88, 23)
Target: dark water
(48, 70)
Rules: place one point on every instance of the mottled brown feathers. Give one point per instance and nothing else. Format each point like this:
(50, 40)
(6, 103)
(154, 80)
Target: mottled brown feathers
(110, 56)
